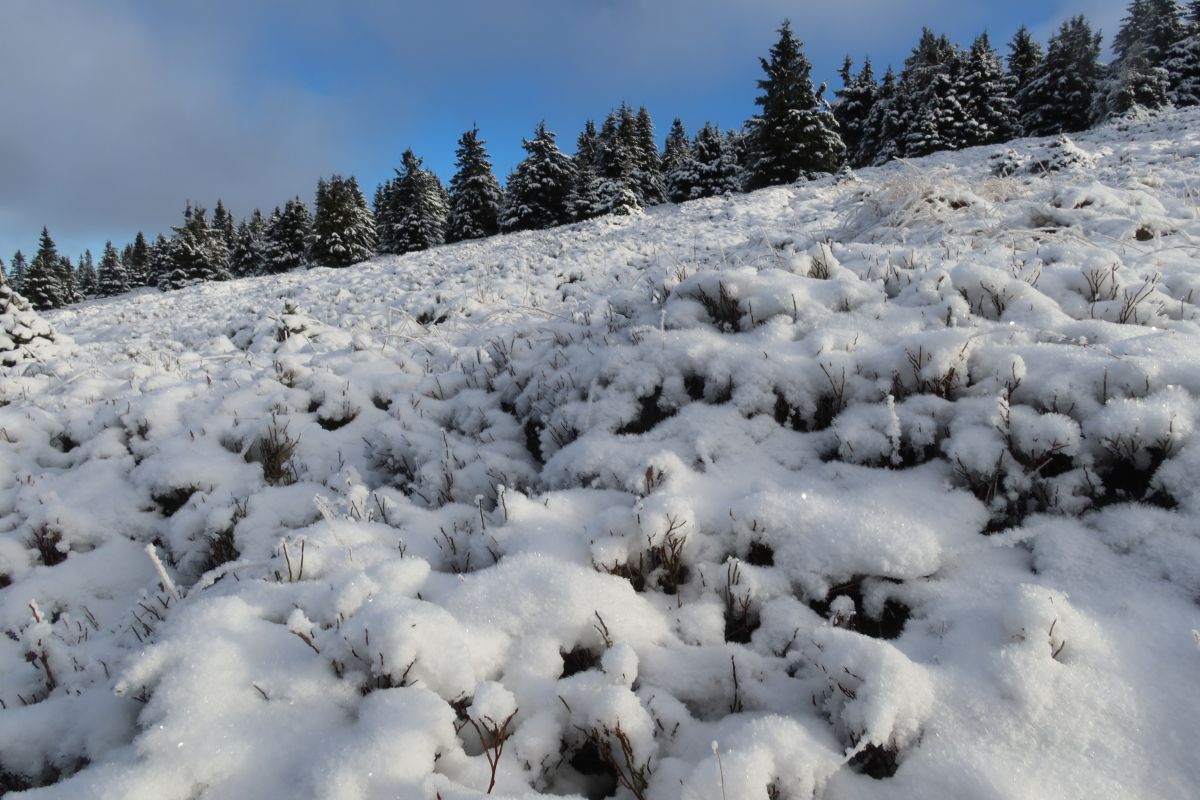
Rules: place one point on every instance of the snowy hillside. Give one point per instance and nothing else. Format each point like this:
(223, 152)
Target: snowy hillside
(883, 486)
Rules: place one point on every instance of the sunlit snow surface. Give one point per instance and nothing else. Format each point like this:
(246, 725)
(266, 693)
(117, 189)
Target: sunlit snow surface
(926, 396)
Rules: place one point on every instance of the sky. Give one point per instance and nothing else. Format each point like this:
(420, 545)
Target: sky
(115, 113)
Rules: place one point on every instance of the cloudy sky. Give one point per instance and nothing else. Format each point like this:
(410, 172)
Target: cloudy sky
(113, 113)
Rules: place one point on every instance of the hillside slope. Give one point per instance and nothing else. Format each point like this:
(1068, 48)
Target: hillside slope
(882, 486)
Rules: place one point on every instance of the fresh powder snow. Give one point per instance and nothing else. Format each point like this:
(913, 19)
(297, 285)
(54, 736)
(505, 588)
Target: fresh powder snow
(885, 485)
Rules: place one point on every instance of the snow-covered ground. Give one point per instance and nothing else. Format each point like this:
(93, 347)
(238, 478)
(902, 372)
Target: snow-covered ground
(883, 486)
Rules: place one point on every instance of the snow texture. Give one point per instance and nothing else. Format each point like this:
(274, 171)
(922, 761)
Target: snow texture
(885, 485)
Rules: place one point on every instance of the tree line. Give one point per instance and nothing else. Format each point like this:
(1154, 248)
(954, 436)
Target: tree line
(944, 97)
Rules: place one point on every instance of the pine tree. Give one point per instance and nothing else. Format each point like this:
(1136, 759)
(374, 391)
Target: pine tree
(22, 332)
(537, 191)
(112, 278)
(87, 274)
(854, 102)
(1149, 31)
(793, 136)
(249, 251)
(41, 285)
(18, 271)
(717, 170)
(679, 164)
(1061, 96)
(68, 280)
(1183, 62)
(1024, 58)
(475, 194)
(936, 119)
(286, 242)
(343, 230)
(1133, 83)
(881, 140)
(985, 96)
(583, 200)
(416, 208)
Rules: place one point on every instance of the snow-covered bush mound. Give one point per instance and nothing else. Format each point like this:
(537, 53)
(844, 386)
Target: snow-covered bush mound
(875, 487)
(25, 337)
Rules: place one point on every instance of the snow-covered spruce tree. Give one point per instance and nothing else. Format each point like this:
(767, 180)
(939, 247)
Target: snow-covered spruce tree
(616, 167)
(69, 281)
(248, 256)
(475, 194)
(137, 261)
(984, 91)
(41, 286)
(1025, 56)
(1132, 84)
(417, 208)
(286, 242)
(536, 194)
(678, 163)
(384, 205)
(1183, 62)
(583, 199)
(197, 252)
(716, 164)
(87, 274)
(1061, 96)
(112, 279)
(17, 271)
(853, 106)
(793, 136)
(21, 330)
(884, 126)
(651, 186)
(223, 222)
(1149, 30)
(929, 83)
(161, 264)
(343, 229)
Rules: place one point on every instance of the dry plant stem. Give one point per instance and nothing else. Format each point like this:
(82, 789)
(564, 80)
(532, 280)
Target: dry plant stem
(492, 738)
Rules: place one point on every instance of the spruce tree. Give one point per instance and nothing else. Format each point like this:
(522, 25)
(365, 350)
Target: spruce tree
(853, 106)
(679, 164)
(793, 136)
(990, 114)
(717, 170)
(882, 131)
(41, 286)
(617, 188)
(223, 222)
(935, 118)
(537, 191)
(198, 252)
(1133, 83)
(343, 230)
(248, 257)
(18, 271)
(87, 274)
(417, 208)
(1183, 62)
(137, 262)
(1061, 96)
(475, 194)
(112, 279)
(583, 201)
(69, 281)
(161, 264)
(286, 242)
(651, 187)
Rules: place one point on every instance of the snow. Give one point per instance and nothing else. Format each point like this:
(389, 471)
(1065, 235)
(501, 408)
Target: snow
(886, 484)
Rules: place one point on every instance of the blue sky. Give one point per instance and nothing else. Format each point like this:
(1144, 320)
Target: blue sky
(115, 112)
